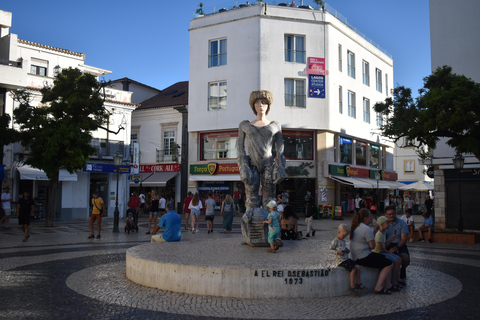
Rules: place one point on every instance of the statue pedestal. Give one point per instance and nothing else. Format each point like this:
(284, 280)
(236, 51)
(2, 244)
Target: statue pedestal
(254, 232)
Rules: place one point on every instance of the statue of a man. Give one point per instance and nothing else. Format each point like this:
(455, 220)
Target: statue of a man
(257, 164)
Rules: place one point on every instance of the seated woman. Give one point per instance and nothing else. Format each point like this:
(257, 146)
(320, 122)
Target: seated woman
(362, 242)
(289, 224)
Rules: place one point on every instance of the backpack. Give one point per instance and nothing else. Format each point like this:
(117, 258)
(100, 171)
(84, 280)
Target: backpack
(227, 207)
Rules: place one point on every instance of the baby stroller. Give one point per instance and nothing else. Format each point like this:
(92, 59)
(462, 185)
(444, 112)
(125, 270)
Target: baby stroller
(131, 223)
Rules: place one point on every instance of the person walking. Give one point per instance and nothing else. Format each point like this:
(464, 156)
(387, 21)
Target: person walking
(186, 209)
(195, 206)
(228, 211)
(25, 208)
(6, 205)
(98, 211)
(153, 210)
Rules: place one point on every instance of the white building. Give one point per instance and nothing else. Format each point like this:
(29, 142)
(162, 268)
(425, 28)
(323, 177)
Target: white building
(159, 127)
(325, 79)
(25, 64)
(458, 22)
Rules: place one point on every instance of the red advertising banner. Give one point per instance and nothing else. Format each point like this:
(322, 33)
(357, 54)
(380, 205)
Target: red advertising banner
(392, 176)
(160, 168)
(316, 66)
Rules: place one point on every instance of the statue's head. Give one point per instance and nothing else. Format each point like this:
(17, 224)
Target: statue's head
(260, 94)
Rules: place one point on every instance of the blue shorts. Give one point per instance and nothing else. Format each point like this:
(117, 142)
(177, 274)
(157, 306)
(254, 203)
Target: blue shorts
(154, 213)
(390, 256)
(194, 212)
(273, 235)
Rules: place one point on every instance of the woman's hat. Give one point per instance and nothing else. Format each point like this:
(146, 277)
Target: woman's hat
(260, 94)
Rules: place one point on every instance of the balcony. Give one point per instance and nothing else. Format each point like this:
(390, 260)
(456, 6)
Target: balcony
(12, 75)
(171, 155)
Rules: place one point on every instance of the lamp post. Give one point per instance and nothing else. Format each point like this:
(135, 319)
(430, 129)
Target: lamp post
(117, 160)
(378, 176)
(458, 162)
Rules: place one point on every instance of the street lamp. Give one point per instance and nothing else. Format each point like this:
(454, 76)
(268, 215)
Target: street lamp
(458, 162)
(378, 176)
(117, 160)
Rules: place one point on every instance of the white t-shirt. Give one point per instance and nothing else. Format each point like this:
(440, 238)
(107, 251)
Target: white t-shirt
(6, 204)
(161, 203)
(142, 198)
(408, 221)
(410, 204)
(280, 208)
(359, 247)
(357, 202)
(198, 206)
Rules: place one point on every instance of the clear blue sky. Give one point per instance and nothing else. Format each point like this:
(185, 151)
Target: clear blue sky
(148, 40)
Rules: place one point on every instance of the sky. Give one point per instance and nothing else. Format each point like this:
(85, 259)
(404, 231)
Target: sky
(148, 40)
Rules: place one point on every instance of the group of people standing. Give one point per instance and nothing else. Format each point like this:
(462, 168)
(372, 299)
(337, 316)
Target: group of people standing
(192, 207)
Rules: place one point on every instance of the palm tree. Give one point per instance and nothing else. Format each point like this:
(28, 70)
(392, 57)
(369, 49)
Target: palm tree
(200, 9)
(319, 3)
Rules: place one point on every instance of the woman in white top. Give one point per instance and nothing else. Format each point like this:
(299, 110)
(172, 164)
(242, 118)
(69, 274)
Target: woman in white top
(195, 206)
(362, 242)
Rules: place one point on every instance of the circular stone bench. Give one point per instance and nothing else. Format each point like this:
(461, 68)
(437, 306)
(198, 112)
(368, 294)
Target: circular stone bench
(226, 268)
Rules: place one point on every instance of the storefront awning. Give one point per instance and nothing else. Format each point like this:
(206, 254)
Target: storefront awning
(352, 181)
(30, 173)
(373, 183)
(219, 177)
(155, 179)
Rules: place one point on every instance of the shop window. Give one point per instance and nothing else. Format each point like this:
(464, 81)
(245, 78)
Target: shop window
(374, 156)
(361, 153)
(218, 145)
(345, 150)
(298, 144)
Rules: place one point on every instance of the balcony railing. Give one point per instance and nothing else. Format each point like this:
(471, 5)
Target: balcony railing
(16, 64)
(171, 155)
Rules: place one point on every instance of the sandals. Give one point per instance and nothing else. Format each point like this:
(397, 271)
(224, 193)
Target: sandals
(352, 291)
(360, 286)
(394, 289)
(91, 236)
(383, 291)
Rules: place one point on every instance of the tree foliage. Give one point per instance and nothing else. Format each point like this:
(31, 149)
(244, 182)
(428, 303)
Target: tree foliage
(7, 134)
(448, 107)
(59, 130)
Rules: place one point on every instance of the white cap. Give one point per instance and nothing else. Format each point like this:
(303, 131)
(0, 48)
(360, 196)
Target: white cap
(272, 204)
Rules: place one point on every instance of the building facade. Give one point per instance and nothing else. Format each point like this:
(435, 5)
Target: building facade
(29, 65)
(325, 79)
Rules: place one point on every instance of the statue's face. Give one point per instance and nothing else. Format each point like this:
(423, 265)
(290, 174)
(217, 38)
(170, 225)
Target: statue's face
(261, 106)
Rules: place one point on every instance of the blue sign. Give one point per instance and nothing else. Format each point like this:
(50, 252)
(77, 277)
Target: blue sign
(105, 167)
(316, 86)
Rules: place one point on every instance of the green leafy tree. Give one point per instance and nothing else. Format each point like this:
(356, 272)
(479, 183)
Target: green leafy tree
(58, 131)
(7, 135)
(448, 107)
(319, 3)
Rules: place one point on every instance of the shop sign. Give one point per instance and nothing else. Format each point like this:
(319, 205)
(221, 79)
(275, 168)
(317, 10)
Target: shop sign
(316, 66)
(356, 172)
(316, 86)
(160, 168)
(391, 176)
(214, 168)
(105, 168)
(465, 174)
(337, 170)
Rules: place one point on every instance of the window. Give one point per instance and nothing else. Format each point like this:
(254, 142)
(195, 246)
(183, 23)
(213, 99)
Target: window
(361, 153)
(351, 64)
(41, 71)
(169, 144)
(366, 110)
(298, 144)
(374, 156)
(386, 84)
(340, 99)
(218, 53)
(408, 143)
(379, 120)
(295, 93)
(366, 72)
(340, 57)
(218, 145)
(351, 104)
(409, 166)
(379, 80)
(39, 67)
(295, 48)
(217, 95)
(345, 150)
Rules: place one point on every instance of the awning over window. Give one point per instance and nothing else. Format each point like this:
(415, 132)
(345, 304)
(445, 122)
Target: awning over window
(352, 181)
(367, 183)
(217, 177)
(154, 179)
(30, 173)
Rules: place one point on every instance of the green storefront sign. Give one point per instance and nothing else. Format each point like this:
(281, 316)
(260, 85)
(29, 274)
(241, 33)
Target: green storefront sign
(337, 170)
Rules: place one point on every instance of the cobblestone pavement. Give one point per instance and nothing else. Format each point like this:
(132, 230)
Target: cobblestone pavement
(60, 274)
